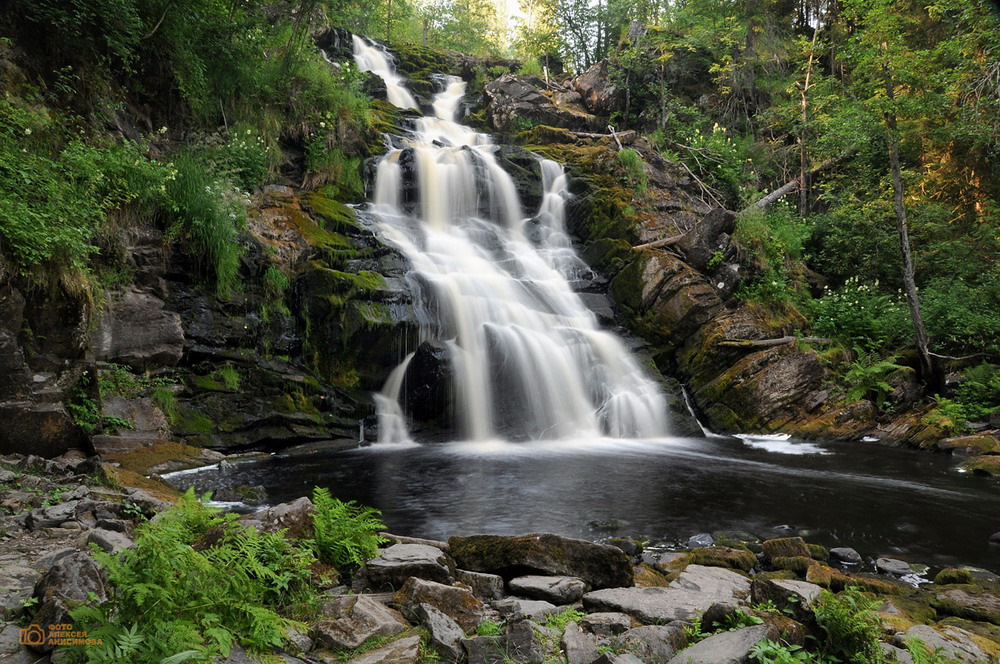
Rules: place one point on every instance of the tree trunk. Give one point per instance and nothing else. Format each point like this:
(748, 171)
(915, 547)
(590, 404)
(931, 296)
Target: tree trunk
(794, 184)
(388, 21)
(909, 284)
(804, 134)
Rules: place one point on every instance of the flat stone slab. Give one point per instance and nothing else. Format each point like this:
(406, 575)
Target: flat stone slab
(555, 589)
(724, 648)
(403, 651)
(693, 592)
(955, 643)
(353, 619)
(532, 608)
(392, 567)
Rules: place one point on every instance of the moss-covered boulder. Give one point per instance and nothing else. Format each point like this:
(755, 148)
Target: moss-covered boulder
(723, 556)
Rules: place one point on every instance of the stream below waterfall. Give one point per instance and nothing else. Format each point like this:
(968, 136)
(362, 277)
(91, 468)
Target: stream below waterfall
(882, 501)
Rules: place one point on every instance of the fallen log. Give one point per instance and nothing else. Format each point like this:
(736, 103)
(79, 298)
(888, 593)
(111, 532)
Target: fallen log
(665, 242)
(769, 343)
(794, 184)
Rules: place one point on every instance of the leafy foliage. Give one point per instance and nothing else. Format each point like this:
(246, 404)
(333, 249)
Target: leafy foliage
(346, 534)
(866, 377)
(850, 625)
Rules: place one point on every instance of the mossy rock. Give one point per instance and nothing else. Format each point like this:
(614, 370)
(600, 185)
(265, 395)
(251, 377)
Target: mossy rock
(971, 445)
(988, 465)
(142, 459)
(798, 564)
(190, 422)
(967, 601)
(786, 547)
(983, 629)
(334, 213)
(952, 575)
(778, 575)
(154, 487)
(817, 552)
(722, 556)
(836, 581)
(647, 577)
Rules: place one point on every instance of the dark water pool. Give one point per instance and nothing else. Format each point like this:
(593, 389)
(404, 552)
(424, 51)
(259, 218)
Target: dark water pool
(901, 503)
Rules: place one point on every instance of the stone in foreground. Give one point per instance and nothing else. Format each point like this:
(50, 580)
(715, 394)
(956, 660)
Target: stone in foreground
(655, 643)
(555, 589)
(692, 593)
(353, 619)
(598, 565)
(457, 603)
(954, 642)
(535, 609)
(403, 651)
(445, 636)
(390, 570)
(580, 648)
(725, 648)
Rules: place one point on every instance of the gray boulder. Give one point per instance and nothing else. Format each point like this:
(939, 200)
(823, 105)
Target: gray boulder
(457, 603)
(522, 643)
(393, 566)
(693, 592)
(403, 651)
(484, 586)
(654, 643)
(579, 646)
(535, 609)
(794, 598)
(954, 642)
(892, 566)
(555, 589)
(625, 658)
(604, 624)
(136, 330)
(598, 565)
(724, 648)
(485, 650)
(845, 554)
(444, 634)
(351, 620)
(109, 540)
(68, 584)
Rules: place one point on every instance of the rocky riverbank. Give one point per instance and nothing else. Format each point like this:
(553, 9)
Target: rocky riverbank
(491, 599)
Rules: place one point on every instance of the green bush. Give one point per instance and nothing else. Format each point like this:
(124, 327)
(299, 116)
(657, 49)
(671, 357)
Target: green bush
(960, 315)
(771, 242)
(346, 533)
(979, 391)
(635, 170)
(857, 314)
(866, 377)
(850, 625)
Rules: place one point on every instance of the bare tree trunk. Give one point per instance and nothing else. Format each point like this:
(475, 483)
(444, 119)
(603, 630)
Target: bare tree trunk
(804, 134)
(794, 184)
(909, 284)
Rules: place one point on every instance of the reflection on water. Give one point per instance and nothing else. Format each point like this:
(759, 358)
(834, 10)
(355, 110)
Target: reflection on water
(881, 501)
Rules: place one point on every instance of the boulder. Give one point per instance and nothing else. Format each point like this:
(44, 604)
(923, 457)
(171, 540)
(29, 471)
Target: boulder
(555, 589)
(953, 642)
(48, 427)
(625, 658)
(457, 603)
(600, 96)
(535, 609)
(892, 566)
(522, 643)
(969, 602)
(695, 590)
(69, 583)
(109, 540)
(52, 516)
(514, 102)
(485, 650)
(846, 555)
(785, 547)
(402, 651)
(725, 648)
(353, 619)
(444, 634)
(654, 643)
(295, 518)
(604, 624)
(579, 646)
(598, 565)
(484, 586)
(137, 331)
(427, 392)
(393, 566)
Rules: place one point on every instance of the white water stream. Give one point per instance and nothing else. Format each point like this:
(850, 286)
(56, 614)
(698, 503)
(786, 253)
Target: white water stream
(528, 358)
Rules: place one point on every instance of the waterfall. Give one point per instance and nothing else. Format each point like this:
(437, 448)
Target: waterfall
(528, 359)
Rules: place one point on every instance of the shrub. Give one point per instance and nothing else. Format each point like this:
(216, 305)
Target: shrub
(857, 314)
(866, 377)
(850, 625)
(771, 241)
(346, 533)
(979, 391)
(635, 169)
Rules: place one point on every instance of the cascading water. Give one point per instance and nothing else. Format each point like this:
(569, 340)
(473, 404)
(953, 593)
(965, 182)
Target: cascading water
(527, 357)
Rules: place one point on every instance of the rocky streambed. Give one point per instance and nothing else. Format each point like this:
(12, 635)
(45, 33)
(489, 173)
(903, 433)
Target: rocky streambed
(499, 598)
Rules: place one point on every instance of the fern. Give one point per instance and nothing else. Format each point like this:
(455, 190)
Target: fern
(346, 534)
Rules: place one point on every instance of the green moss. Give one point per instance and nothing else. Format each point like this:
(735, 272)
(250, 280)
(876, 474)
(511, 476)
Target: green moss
(316, 235)
(141, 460)
(721, 556)
(190, 422)
(798, 564)
(953, 575)
(817, 552)
(333, 212)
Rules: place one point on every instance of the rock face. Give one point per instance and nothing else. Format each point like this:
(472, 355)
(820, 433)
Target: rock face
(693, 592)
(137, 331)
(598, 565)
(599, 95)
(516, 102)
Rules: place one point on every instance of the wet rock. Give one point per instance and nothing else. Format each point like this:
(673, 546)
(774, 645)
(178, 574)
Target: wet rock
(484, 586)
(532, 608)
(579, 647)
(457, 603)
(694, 591)
(350, 621)
(598, 565)
(555, 589)
(393, 566)
(794, 598)
(785, 547)
(725, 648)
(109, 540)
(403, 651)
(892, 566)
(952, 641)
(995, 538)
(655, 643)
(522, 644)
(295, 518)
(604, 624)
(846, 555)
(445, 635)
(427, 392)
(137, 331)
